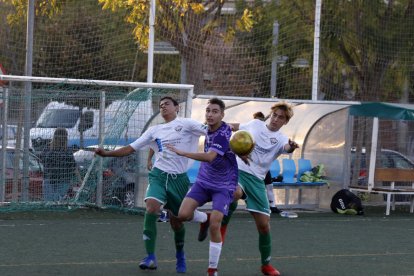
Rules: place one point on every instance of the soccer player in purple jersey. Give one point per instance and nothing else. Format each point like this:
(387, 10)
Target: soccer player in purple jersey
(216, 179)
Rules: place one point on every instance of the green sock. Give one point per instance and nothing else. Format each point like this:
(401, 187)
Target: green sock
(265, 247)
(179, 239)
(150, 232)
(232, 208)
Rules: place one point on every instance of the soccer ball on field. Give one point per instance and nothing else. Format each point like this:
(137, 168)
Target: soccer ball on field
(241, 142)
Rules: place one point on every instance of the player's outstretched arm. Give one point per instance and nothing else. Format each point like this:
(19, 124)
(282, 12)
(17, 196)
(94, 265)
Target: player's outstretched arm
(199, 156)
(124, 151)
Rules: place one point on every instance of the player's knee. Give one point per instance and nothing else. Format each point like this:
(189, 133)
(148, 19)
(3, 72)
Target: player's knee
(184, 216)
(153, 210)
(263, 228)
(152, 206)
(215, 226)
(238, 194)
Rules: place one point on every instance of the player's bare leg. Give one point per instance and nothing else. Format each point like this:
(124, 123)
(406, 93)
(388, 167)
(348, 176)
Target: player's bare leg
(238, 194)
(187, 208)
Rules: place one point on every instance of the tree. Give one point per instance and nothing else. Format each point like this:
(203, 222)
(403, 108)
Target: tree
(187, 25)
(77, 47)
(369, 39)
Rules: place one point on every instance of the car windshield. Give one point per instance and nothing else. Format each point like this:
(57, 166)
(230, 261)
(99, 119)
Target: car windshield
(53, 118)
(387, 159)
(393, 160)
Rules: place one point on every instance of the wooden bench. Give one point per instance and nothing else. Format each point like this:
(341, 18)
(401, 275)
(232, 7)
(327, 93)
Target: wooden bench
(390, 175)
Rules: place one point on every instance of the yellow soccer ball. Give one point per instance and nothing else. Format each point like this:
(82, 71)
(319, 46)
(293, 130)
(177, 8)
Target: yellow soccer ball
(241, 142)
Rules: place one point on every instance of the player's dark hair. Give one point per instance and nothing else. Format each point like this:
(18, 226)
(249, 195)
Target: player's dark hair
(259, 115)
(171, 99)
(218, 102)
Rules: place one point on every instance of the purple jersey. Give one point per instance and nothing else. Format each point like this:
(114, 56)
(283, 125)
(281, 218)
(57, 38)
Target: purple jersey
(222, 172)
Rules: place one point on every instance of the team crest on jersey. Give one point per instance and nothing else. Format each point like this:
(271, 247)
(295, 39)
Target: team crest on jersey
(178, 128)
(273, 141)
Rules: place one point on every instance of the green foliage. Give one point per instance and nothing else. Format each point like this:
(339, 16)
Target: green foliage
(43, 8)
(367, 39)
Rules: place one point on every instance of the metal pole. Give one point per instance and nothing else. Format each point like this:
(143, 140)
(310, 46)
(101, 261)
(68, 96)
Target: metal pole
(373, 156)
(151, 39)
(315, 74)
(189, 104)
(97, 82)
(28, 99)
(99, 185)
(273, 78)
(183, 72)
(4, 146)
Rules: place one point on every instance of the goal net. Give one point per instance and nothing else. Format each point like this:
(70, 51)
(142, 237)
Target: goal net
(92, 113)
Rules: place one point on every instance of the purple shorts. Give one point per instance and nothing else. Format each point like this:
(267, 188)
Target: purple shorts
(221, 198)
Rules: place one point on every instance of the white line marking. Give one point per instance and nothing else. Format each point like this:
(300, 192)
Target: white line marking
(205, 260)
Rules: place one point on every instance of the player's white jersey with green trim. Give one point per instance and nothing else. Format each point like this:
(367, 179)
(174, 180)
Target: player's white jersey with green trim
(182, 133)
(269, 145)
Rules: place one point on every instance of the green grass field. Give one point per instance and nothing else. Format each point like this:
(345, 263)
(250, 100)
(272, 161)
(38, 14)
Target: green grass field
(95, 242)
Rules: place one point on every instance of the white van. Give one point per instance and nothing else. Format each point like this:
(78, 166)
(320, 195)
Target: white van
(123, 120)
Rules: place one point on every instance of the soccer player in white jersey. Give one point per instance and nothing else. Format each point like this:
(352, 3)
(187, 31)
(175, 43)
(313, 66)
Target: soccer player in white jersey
(168, 180)
(270, 143)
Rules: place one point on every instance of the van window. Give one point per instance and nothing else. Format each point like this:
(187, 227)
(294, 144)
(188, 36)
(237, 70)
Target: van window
(86, 121)
(54, 118)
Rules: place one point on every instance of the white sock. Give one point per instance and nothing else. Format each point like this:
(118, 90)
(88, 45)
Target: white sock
(271, 195)
(199, 216)
(214, 254)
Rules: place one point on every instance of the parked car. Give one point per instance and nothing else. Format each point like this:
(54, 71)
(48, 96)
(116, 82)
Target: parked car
(35, 175)
(12, 136)
(387, 159)
(118, 176)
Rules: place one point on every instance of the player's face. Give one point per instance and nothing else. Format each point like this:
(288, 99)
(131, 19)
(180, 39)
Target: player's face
(277, 120)
(167, 108)
(214, 115)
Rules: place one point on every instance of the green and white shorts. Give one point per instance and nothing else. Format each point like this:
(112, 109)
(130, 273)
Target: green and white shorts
(167, 188)
(256, 197)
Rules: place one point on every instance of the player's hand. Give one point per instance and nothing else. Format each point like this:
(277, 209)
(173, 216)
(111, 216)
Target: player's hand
(246, 159)
(293, 145)
(233, 126)
(173, 149)
(100, 152)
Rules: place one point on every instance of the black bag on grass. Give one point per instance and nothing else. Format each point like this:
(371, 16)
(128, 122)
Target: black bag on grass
(346, 202)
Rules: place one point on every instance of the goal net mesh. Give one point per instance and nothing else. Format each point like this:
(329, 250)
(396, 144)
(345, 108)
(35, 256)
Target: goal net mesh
(92, 115)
